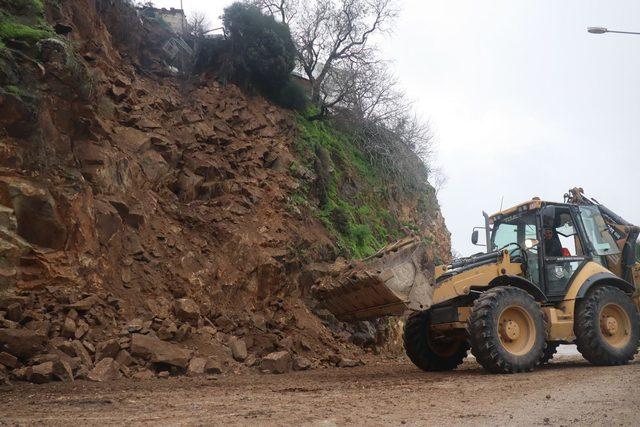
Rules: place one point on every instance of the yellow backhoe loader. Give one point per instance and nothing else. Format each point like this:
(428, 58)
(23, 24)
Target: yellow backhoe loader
(553, 273)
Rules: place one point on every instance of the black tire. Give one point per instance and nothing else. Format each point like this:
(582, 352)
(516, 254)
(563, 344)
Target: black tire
(427, 354)
(595, 336)
(549, 352)
(494, 343)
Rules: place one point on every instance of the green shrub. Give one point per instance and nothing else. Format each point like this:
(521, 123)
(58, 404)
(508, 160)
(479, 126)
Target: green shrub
(262, 50)
(292, 96)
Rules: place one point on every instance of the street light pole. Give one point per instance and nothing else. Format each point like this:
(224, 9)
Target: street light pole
(602, 30)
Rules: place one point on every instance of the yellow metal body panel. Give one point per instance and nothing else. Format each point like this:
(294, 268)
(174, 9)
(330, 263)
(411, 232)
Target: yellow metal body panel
(461, 284)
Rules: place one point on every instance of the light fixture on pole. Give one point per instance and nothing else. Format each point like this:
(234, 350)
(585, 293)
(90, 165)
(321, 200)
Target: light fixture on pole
(602, 30)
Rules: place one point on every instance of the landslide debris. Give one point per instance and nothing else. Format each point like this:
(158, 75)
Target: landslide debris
(146, 222)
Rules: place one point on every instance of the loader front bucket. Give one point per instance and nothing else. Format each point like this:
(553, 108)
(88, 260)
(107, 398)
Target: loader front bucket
(396, 279)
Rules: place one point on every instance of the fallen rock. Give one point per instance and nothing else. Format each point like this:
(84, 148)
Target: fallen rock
(105, 370)
(213, 366)
(348, 363)
(22, 343)
(108, 349)
(41, 373)
(197, 366)
(124, 358)
(80, 351)
(85, 304)
(68, 328)
(144, 375)
(158, 351)
(278, 362)
(187, 310)
(238, 348)
(301, 363)
(62, 370)
(8, 360)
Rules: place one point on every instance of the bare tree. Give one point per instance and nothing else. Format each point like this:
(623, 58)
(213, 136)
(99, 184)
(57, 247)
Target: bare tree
(332, 35)
(198, 24)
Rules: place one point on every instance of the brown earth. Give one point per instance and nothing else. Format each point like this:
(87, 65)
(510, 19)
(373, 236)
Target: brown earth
(569, 391)
(134, 202)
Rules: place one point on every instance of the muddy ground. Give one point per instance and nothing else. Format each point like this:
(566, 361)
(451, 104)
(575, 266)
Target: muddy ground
(392, 392)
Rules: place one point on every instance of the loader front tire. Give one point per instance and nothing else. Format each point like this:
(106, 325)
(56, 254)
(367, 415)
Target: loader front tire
(607, 327)
(507, 331)
(431, 353)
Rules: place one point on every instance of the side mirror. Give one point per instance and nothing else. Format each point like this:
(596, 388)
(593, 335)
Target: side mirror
(474, 237)
(531, 243)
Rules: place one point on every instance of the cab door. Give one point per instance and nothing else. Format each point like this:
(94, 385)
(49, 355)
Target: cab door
(562, 250)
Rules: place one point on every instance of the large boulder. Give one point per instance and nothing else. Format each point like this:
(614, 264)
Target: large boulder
(105, 370)
(158, 351)
(278, 362)
(238, 348)
(22, 343)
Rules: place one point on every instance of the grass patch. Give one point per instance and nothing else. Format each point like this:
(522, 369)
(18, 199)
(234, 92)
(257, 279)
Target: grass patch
(16, 31)
(27, 7)
(356, 212)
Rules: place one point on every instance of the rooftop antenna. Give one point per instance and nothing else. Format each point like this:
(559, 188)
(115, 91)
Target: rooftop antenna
(501, 200)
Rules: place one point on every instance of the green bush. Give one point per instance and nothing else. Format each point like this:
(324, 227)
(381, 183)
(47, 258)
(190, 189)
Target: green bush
(292, 96)
(262, 50)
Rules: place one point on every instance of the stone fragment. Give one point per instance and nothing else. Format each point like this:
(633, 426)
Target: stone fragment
(124, 358)
(187, 310)
(22, 343)
(144, 375)
(213, 366)
(164, 374)
(197, 366)
(14, 312)
(85, 304)
(68, 328)
(62, 370)
(301, 363)
(81, 329)
(80, 351)
(8, 360)
(238, 348)
(278, 362)
(348, 363)
(41, 373)
(109, 348)
(158, 351)
(105, 370)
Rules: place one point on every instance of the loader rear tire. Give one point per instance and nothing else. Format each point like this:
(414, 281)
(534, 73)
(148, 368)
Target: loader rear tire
(607, 327)
(428, 353)
(507, 331)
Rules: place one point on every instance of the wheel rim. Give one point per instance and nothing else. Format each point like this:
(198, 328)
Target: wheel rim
(615, 325)
(516, 330)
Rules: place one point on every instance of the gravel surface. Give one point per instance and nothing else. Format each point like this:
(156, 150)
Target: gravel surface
(390, 392)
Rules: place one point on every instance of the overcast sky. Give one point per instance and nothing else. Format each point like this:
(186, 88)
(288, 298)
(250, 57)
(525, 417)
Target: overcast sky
(523, 101)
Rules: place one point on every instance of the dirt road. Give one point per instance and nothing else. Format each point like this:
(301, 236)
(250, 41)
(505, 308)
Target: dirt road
(567, 392)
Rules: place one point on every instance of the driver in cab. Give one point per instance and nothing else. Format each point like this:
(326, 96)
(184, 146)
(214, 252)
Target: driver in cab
(552, 245)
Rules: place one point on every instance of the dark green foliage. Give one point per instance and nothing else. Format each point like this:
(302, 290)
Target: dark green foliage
(257, 53)
(23, 7)
(262, 49)
(292, 96)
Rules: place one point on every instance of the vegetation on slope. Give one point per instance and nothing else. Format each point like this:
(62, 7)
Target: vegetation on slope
(353, 193)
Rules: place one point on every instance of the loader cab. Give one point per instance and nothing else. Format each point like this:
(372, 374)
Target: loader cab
(552, 241)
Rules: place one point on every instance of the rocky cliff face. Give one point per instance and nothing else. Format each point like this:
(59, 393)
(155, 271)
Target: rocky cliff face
(146, 223)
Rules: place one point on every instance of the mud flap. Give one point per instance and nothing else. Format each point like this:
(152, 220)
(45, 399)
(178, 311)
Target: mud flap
(396, 279)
